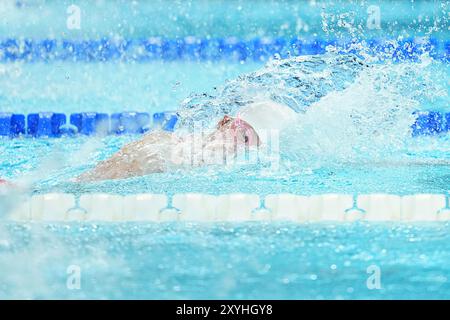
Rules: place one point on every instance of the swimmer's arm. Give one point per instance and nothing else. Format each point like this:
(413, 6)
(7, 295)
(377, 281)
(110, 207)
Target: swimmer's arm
(129, 161)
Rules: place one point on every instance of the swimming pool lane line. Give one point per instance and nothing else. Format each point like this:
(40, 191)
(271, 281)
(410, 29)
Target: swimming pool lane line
(53, 124)
(237, 207)
(202, 49)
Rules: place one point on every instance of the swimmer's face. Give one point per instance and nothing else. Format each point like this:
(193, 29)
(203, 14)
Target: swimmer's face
(240, 130)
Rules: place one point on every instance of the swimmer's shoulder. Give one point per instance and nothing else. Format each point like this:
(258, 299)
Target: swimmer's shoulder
(160, 136)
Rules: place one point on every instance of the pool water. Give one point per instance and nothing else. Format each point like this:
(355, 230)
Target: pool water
(81, 87)
(230, 260)
(225, 261)
(354, 138)
(48, 165)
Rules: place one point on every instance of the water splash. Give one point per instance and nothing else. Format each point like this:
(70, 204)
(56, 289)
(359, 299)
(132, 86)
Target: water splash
(350, 108)
(370, 119)
(296, 82)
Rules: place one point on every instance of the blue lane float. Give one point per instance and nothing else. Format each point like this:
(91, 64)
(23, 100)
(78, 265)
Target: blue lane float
(51, 124)
(447, 122)
(430, 123)
(12, 124)
(165, 120)
(89, 123)
(45, 124)
(130, 122)
(192, 48)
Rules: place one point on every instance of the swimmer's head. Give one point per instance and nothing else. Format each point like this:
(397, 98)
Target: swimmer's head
(240, 130)
(266, 116)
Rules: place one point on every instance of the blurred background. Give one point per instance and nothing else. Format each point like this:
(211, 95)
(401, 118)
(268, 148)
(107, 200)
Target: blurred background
(215, 18)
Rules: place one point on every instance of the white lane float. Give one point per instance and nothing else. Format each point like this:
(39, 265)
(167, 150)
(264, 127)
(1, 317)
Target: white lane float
(237, 207)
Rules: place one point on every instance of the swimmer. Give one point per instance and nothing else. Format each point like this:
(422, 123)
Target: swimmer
(248, 108)
(249, 117)
(160, 151)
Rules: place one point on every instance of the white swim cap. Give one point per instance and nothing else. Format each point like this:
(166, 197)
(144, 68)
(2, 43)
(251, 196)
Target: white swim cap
(267, 115)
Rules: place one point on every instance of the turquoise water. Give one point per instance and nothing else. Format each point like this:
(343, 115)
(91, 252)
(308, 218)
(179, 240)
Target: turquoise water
(356, 141)
(77, 87)
(240, 18)
(240, 260)
(234, 261)
(359, 141)
(50, 164)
